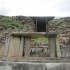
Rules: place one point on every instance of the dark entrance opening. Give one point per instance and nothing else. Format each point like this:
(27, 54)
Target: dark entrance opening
(41, 25)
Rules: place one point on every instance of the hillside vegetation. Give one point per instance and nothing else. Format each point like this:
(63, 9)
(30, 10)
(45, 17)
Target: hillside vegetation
(61, 25)
(8, 22)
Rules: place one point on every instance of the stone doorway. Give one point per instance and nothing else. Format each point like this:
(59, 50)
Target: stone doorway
(19, 46)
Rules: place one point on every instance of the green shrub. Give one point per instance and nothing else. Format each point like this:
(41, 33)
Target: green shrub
(41, 39)
(8, 22)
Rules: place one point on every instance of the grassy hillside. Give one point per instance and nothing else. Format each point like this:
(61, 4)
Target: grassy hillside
(8, 22)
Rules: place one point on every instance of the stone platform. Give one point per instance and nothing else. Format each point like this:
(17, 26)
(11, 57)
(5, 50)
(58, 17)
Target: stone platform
(8, 65)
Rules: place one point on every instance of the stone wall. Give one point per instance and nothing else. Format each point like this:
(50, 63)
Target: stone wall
(28, 26)
(33, 66)
(62, 27)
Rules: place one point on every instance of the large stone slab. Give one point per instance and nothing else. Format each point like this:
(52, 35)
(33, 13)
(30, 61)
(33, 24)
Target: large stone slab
(1, 51)
(6, 65)
(29, 66)
(27, 47)
(21, 49)
(14, 47)
(58, 66)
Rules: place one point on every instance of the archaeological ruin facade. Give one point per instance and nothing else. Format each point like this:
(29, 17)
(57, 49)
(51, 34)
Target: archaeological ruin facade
(21, 45)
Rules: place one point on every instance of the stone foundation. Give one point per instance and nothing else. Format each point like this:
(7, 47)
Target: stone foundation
(4, 65)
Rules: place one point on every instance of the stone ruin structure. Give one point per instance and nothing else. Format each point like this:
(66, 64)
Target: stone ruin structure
(62, 27)
(22, 47)
(22, 52)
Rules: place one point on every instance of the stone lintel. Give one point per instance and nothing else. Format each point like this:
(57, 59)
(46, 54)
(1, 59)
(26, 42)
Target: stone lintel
(35, 34)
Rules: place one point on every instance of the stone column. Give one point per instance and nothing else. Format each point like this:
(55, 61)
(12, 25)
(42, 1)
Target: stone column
(27, 46)
(14, 46)
(46, 25)
(52, 46)
(58, 47)
(7, 43)
(21, 49)
(36, 25)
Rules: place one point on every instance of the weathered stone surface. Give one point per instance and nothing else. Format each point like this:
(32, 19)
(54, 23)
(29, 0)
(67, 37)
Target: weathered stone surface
(21, 66)
(27, 46)
(52, 46)
(6, 47)
(27, 66)
(62, 27)
(14, 47)
(33, 66)
(29, 26)
(1, 51)
(21, 48)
